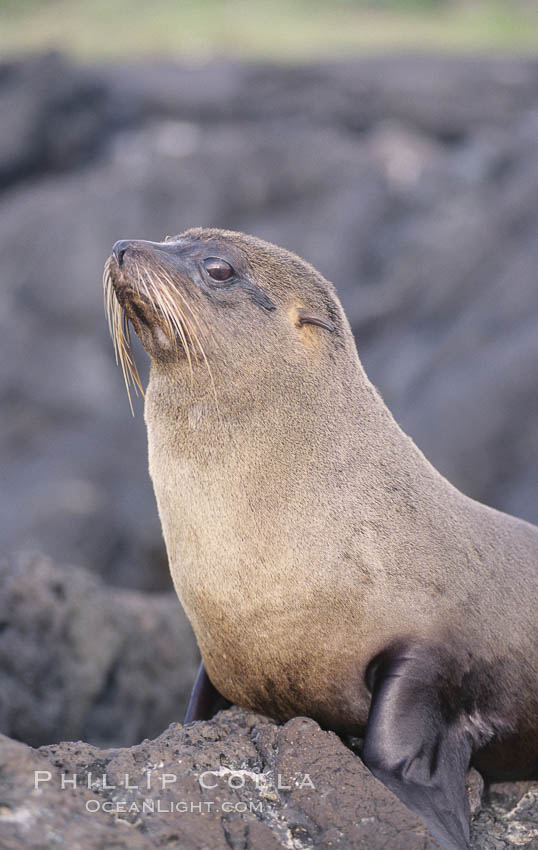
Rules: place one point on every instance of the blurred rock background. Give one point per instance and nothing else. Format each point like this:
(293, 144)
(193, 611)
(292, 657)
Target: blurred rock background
(411, 183)
(409, 180)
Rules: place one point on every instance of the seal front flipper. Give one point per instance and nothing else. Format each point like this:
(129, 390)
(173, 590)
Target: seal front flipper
(205, 700)
(414, 743)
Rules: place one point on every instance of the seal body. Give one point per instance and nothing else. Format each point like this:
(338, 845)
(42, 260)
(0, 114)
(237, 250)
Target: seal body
(326, 567)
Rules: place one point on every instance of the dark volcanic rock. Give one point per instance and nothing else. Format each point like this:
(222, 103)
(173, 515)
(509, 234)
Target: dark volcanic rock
(78, 659)
(446, 98)
(411, 183)
(238, 781)
(509, 817)
(327, 798)
(57, 116)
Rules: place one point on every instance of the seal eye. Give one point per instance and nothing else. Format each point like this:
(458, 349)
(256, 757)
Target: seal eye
(218, 269)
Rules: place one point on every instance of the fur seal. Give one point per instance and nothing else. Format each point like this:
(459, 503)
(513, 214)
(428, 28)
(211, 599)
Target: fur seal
(326, 567)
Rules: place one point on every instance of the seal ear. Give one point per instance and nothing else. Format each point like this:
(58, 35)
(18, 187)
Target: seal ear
(414, 743)
(306, 318)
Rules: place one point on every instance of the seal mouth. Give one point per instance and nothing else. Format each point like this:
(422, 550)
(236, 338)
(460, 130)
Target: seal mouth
(144, 295)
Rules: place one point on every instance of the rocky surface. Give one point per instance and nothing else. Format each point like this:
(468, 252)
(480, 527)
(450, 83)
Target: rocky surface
(411, 183)
(81, 660)
(237, 782)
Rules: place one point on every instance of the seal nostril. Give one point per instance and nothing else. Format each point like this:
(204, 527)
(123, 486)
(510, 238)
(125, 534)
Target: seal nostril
(119, 250)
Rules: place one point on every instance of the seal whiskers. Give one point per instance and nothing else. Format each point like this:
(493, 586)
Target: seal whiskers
(174, 318)
(175, 292)
(121, 337)
(178, 318)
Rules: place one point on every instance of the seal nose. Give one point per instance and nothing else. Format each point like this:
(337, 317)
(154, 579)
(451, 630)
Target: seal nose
(119, 250)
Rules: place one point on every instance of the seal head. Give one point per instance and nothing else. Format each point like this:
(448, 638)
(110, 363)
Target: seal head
(207, 295)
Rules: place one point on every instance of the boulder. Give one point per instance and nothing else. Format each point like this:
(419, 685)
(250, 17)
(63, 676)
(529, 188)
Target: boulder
(238, 781)
(82, 660)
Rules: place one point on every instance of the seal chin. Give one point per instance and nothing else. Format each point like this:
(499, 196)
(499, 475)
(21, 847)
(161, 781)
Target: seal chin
(135, 303)
(139, 308)
(122, 285)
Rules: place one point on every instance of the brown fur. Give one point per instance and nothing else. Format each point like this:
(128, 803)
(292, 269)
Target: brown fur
(305, 531)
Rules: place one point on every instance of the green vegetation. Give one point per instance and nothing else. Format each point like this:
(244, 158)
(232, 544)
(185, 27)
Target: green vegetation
(276, 29)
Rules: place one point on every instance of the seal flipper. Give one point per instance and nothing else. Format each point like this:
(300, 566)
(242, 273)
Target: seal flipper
(205, 700)
(414, 743)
